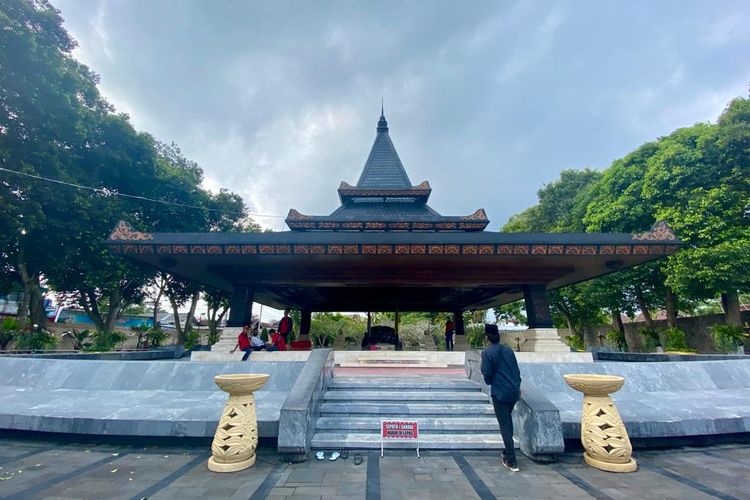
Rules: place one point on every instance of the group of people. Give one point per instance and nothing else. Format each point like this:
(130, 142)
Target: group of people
(249, 341)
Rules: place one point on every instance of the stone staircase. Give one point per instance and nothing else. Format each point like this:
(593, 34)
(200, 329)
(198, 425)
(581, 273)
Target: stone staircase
(452, 412)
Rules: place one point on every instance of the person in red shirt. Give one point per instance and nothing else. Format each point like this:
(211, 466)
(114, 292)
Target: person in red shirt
(449, 333)
(285, 327)
(243, 343)
(277, 342)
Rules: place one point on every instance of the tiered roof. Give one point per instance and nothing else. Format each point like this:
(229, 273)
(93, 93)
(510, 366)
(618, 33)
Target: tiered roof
(384, 199)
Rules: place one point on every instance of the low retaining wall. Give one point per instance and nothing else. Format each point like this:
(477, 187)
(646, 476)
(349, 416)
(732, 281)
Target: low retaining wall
(131, 398)
(656, 358)
(658, 400)
(228, 357)
(171, 352)
(302, 407)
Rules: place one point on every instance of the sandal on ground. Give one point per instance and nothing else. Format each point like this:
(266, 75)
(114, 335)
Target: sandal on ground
(334, 456)
(357, 459)
(344, 454)
(320, 455)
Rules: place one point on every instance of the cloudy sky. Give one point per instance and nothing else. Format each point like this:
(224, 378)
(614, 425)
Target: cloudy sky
(487, 100)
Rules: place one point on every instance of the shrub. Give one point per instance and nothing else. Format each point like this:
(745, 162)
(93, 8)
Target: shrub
(140, 331)
(475, 336)
(156, 337)
(617, 339)
(650, 338)
(79, 337)
(9, 329)
(676, 340)
(576, 342)
(105, 341)
(35, 340)
(728, 337)
(192, 339)
(411, 335)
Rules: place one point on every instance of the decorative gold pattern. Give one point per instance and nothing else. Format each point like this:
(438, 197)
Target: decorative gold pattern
(659, 232)
(603, 433)
(236, 437)
(399, 249)
(124, 231)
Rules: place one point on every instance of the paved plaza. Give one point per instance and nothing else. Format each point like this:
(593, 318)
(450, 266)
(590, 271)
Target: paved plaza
(49, 469)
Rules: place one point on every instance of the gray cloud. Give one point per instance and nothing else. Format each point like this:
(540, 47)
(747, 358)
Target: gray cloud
(279, 100)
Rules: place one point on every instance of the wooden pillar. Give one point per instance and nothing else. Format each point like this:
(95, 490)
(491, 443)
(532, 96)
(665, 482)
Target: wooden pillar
(458, 321)
(305, 321)
(537, 307)
(240, 306)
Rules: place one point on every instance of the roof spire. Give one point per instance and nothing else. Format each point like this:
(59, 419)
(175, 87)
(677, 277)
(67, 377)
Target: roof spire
(382, 123)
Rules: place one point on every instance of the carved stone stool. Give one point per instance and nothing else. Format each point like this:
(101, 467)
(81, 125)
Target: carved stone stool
(236, 437)
(602, 432)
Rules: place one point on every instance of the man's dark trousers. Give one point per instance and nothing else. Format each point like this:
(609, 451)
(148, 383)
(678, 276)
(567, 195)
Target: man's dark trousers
(503, 411)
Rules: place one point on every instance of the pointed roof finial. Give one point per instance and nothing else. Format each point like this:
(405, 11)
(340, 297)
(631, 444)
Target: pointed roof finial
(382, 123)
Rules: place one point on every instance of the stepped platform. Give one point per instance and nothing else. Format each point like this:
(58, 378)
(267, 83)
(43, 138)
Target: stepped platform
(452, 412)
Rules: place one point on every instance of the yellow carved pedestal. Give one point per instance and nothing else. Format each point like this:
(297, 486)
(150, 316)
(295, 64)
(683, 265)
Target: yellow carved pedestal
(236, 437)
(602, 432)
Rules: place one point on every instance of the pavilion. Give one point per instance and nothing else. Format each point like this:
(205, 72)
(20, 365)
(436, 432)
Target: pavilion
(386, 249)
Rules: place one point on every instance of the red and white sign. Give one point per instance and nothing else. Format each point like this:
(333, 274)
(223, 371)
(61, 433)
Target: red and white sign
(398, 429)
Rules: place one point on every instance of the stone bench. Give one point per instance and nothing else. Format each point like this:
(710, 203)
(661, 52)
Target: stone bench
(135, 398)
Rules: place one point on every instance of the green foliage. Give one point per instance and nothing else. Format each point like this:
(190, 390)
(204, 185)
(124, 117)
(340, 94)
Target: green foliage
(728, 337)
(412, 335)
(105, 341)
(9, 329)
(140, 332)
(651, 338)
(79, 337)
(576, 342)
(192, 338)
(617, 339)
(35, 340)
(475, 336)
(156, 337)
(676, 340)
(511, 313)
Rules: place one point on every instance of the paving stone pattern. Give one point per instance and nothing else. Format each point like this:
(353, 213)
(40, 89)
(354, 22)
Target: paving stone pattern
(54, 470)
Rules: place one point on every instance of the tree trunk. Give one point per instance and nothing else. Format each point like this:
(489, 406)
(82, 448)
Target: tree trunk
(177, 325)
(568, 318)
(642, 306)
(23, 310)
(157, 302)
(671, 307)
(732, 308)
(617, 322)
(33, 289)
(191, 314)
(87, 299)
(113, 312)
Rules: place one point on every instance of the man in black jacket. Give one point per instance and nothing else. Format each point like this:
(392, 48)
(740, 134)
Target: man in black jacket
(501, 373)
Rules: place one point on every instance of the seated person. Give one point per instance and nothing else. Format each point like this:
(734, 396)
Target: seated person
(277, 341)
(256, 342)
(243, 343)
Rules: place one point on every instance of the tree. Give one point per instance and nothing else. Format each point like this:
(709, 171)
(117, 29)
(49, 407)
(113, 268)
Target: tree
(510, 313)
(699, 183)
(218, 306)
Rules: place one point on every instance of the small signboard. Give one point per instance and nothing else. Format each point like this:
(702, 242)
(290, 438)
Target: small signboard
(398, 430)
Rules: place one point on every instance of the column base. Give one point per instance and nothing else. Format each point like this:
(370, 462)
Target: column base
(215, 466)
(542, 340)
(630, 466)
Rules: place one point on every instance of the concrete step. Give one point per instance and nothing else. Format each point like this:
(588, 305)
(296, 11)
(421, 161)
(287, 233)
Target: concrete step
(404, 409)
(460, 425)
(452, 441)
(399, 364)
(421, 383)
(411, 396)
